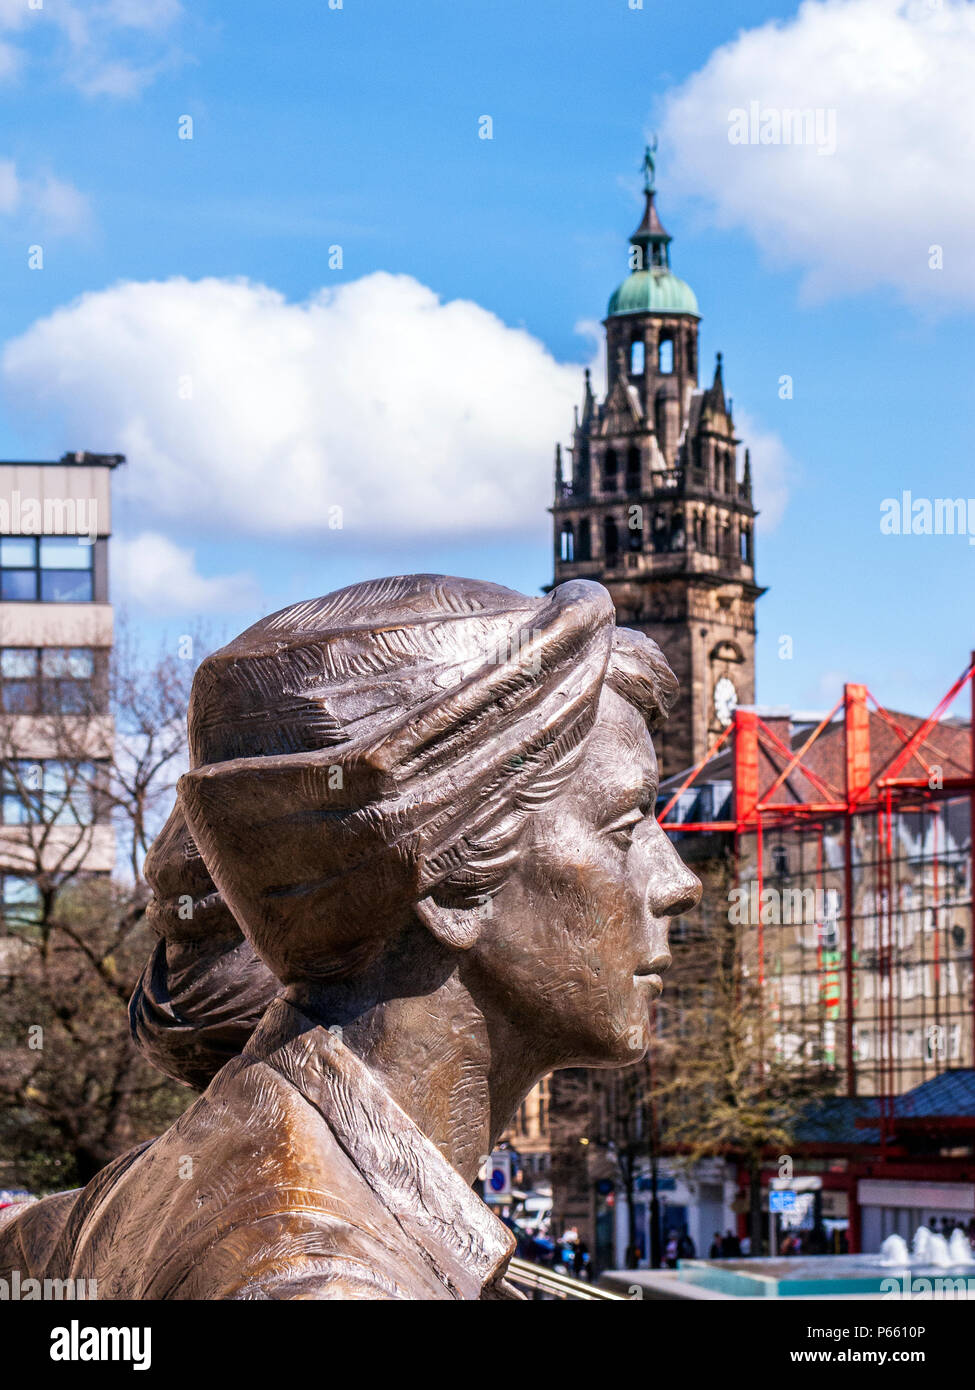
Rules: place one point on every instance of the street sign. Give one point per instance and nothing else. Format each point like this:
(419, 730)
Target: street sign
(499, 1173)
(782, 1201)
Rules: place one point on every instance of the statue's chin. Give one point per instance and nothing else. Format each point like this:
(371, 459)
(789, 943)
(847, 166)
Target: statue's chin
(616, 1048)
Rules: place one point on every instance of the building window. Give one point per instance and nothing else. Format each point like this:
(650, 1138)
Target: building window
(665, 356)
(633, 469)
(660, 531)
(610, 470)
(611, 540)
(567, 552)
(21, 900)
(53, 569)
(585, 540)
(48, 680)
(47, 792)
(637, 358)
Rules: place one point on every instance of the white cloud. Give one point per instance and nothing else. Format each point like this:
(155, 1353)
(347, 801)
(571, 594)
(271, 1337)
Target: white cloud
(102, 47)
(898, 76)
(153, 573)
(773, 469)
(9, 61)
(9, 187)
(243, 411)
(41, 203)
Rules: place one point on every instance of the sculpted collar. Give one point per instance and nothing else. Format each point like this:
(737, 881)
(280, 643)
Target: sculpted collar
(466, 1245)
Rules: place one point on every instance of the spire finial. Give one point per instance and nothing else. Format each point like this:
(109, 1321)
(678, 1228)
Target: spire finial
(648, 166)
(651, 241)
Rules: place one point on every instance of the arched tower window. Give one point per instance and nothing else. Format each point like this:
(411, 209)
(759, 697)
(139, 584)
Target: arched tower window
(611, 539)
(637, 358)
(665, 356)
(584, 551)
(633, 469)
(677, 537)
(610, 469)
(567, 548)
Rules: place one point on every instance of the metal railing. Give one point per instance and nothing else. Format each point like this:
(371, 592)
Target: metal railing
(546, 1283)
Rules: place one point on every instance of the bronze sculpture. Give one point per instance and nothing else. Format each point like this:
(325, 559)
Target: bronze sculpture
(413, 868)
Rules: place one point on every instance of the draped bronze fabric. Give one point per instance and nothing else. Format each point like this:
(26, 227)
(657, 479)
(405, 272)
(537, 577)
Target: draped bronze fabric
(363, 769)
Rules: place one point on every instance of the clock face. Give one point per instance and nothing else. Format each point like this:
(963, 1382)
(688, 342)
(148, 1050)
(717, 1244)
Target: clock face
(725, 700)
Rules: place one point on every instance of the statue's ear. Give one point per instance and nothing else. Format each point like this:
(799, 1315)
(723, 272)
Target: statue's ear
(458, 927)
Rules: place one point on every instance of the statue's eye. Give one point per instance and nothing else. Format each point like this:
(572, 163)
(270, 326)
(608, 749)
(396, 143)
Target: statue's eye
(622, 829)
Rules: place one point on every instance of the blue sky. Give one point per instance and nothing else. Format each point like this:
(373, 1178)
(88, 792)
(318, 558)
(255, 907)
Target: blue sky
(430, 423)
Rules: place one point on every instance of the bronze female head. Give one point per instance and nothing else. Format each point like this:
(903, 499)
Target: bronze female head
(420, 796)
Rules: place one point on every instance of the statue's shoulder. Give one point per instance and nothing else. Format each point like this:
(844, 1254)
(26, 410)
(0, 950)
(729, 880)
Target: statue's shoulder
(247, 1195)
(29, 1231)
(37, 1238)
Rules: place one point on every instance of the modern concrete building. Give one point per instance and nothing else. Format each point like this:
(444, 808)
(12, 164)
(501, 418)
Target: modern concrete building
(56, 633)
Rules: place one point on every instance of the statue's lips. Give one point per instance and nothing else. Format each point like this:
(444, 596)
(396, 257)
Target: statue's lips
(648, 974)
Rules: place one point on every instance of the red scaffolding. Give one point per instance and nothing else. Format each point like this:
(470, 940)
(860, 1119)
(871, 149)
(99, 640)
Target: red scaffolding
(775, 787)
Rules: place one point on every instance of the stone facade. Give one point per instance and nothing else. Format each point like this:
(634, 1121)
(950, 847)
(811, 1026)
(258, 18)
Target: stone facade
(654, 506)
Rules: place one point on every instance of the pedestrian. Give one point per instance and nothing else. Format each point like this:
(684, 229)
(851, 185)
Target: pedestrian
(746, 1245)
(686, 1249)
(730, 1247)
(816, 1242)
(580, 1257)
(715, 1252)
(670, 1250)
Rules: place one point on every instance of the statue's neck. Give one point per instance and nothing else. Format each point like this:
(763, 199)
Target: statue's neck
(439, 1059)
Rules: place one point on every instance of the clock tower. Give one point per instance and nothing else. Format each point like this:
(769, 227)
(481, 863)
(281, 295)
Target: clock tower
(654, 504)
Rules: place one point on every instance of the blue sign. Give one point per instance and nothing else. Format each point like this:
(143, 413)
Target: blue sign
(782, 1201)
(644, 1184)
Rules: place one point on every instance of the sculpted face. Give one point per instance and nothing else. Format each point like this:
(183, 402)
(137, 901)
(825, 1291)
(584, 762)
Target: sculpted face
(578, 936)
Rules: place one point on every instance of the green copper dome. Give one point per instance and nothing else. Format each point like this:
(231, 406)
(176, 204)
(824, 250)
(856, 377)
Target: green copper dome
(655, 291)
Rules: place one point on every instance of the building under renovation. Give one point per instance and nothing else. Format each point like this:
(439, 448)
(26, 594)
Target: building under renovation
(838, 849)
(841, 850)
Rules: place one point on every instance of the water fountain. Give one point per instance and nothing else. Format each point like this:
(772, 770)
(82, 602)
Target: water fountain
(919, 1245)
(960, 1248)
(894, 1252)
(930, 1262)
(938, 1253)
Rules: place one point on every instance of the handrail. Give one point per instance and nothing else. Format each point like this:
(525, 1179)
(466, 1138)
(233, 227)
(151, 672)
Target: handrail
(537, 1279)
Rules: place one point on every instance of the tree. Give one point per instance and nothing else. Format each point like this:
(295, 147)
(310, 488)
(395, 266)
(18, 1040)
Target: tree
(89, 756)
(727, 1087)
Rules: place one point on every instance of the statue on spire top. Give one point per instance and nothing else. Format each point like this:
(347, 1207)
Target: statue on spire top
(648, 166)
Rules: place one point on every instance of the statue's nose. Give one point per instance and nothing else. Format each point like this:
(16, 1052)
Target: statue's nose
(678, 892)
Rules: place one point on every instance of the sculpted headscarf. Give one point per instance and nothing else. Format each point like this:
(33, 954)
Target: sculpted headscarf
(350, 756)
